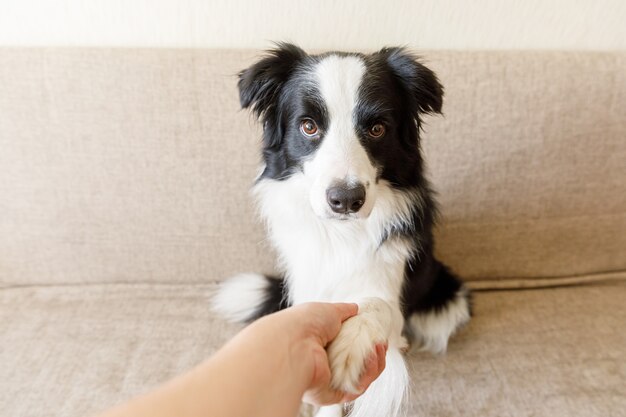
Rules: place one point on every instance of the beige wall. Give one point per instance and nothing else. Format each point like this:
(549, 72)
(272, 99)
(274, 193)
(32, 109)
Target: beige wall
(348, 24)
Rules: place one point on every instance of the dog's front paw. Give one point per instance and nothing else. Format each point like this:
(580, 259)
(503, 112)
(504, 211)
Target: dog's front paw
(353, 345)
(348, 352)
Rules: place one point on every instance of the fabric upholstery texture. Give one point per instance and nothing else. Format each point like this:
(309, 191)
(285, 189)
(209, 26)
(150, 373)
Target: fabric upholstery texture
(118, 164)
(542, 353)
(124, 177)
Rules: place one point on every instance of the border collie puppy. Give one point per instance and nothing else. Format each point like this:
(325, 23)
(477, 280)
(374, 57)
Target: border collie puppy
(348, 209)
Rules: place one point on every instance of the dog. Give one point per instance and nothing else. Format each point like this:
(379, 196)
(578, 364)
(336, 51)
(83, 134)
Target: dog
(349, 211)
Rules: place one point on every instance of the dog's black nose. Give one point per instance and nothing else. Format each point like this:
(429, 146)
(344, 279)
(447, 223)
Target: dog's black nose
(346, 198)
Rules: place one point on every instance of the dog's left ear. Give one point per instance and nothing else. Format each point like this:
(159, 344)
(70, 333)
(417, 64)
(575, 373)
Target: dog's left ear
(425, 90)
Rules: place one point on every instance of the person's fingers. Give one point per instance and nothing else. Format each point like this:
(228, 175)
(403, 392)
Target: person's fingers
(374, 366)
(382, 360)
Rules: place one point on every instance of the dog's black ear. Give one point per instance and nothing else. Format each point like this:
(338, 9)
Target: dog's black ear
(425, 90)
(259, 85)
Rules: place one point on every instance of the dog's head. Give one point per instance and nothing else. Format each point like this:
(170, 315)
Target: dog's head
(345, 122)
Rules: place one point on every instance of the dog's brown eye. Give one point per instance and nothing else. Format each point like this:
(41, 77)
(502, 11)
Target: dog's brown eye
(308, 127)
(377, 131)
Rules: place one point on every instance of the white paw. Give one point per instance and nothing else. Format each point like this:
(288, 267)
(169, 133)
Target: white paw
(355, 342)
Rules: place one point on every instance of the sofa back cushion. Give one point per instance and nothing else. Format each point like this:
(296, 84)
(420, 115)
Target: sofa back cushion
(121, 165)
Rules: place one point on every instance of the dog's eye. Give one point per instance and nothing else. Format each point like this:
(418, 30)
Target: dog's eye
(377, 131)
(308, 128)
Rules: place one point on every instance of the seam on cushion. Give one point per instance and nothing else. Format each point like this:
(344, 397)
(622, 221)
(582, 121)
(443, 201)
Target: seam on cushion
(112, 283)
(506, 284)
(451, 223)
(545, 277)
(519, 283)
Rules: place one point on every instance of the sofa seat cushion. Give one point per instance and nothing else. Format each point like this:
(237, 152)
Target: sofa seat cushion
(78, 349)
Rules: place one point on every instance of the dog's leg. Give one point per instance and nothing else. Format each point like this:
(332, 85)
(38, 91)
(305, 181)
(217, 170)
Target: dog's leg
(439, 312)
(376, 322)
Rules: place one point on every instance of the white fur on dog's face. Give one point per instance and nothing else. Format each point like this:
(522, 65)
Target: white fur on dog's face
(350, 97)
(341, 157)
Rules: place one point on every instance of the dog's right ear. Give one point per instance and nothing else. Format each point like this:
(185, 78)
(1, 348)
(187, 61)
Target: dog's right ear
(259, 85)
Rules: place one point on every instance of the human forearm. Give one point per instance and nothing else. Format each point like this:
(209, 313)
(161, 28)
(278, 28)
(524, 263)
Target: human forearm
(253, 375)
(264, 371)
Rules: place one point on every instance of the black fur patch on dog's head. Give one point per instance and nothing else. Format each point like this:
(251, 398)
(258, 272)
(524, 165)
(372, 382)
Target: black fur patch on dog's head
(396, 90)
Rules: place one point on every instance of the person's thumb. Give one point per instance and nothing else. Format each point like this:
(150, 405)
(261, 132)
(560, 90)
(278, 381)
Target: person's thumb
(346, 310)
(329, 317)
(340, 312)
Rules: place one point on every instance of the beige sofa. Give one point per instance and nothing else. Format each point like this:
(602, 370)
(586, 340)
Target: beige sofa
(123, 200)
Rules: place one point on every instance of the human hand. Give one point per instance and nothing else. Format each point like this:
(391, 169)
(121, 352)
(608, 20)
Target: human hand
(266, 370)
(313, 326)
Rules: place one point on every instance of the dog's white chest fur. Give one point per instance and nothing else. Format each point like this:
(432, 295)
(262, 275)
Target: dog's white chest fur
(334, 260)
